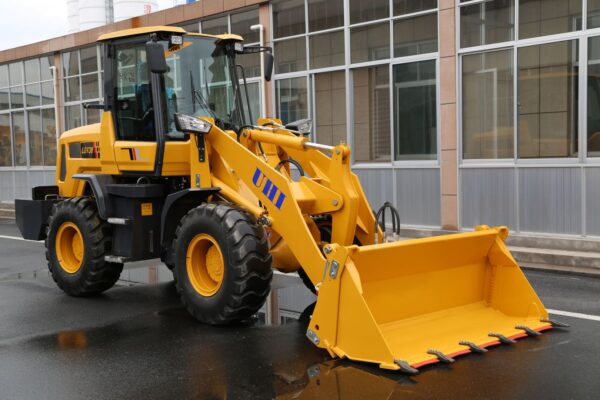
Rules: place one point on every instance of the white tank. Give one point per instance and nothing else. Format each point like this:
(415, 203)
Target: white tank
(93, 13)
(73, 15)
(124, 9)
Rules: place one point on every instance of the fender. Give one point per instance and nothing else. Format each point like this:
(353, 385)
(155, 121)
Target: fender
(175, 207)
(98, 184)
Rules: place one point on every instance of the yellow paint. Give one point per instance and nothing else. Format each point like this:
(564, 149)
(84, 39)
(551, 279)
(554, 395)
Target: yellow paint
(205, 265)
(69, 247)
(146, 209)
(387, 302)
(140, 31)
(162, 28)
(395, 301)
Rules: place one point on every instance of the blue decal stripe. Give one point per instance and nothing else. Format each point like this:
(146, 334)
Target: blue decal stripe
(267, 187)
(280, 200)
(257, 174)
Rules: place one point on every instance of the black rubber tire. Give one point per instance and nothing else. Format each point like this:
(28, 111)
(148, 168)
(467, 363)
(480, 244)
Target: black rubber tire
(95, 275)
(247, 263)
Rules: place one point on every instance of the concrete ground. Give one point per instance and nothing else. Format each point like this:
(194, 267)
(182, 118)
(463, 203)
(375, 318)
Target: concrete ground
(136, 341)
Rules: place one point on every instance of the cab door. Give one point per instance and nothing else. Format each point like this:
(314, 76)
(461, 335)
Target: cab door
(134, 109)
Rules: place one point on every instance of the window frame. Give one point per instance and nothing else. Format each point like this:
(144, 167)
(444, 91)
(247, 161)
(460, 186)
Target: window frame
(582, 37)
(25, 109)
(348, 67)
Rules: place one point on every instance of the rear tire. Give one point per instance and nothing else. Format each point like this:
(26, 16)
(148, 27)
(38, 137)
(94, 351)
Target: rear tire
(222, 263)
(76, 242)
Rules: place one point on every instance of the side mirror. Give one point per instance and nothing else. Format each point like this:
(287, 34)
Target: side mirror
(268, 66)
(155, 53)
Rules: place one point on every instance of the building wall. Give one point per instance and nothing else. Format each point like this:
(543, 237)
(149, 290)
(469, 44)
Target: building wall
(459, 113)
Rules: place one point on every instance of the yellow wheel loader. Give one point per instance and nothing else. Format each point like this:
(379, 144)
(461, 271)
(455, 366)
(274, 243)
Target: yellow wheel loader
(179, 169)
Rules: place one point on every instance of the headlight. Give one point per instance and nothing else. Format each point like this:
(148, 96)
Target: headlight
(189, 124)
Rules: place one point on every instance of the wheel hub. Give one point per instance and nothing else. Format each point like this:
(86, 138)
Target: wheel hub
(205, 264)
(69, 247)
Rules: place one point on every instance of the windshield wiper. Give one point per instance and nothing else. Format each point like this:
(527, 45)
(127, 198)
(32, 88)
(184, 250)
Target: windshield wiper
(197, 96)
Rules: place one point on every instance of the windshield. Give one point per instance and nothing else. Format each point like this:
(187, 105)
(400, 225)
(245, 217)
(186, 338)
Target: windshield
(200, 82)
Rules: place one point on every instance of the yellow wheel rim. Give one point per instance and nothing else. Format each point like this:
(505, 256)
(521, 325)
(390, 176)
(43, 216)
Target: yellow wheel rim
(205, 265)
(69, 247)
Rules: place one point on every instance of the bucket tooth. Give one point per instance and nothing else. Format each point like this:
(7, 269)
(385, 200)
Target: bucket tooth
(474, 348)
(502, 338)
(441, 356)
(405, 367)
(555, 323)
(528, 330)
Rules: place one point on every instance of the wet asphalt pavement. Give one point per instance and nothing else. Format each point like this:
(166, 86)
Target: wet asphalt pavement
(136, 341)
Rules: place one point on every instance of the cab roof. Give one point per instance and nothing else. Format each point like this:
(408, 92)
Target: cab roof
(169, 29)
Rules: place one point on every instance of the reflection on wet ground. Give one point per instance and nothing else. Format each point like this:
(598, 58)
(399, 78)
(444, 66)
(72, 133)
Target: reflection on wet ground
(288, 299)
(164, 353)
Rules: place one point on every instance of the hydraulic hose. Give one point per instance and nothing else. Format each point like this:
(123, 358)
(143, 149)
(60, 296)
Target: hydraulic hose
(381, 215)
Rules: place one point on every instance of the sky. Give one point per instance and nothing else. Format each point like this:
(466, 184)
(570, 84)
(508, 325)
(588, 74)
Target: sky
(30, 21)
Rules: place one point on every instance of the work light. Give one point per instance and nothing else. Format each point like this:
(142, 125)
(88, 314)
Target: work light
(189, 124)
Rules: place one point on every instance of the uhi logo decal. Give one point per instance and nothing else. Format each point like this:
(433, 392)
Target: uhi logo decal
(269, 189)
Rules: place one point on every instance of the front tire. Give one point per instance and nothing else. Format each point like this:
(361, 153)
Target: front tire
(222, 263)
(76, 242)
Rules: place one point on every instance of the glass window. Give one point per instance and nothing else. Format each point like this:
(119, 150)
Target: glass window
(241, 23)
(548, 17)
(593, 10)
(16, 74)
(73, 117)
(32, 70)
(5, 146)
(255, 99)
(49, 136)
(215, 26)
(250, 62)
(16, 97)
(134, 98)
(415, 35)
(4, 76)
(72, 89)
(32, 94)
(288, 18)
(330, 101)
(89, 60)
(371, 42)
(70, 63)
(47, 93)
(327, 49)
(19, 141)
(548, 92)
(91, 116)
(325, 14)
(486, 23)
(89, 87)
(292, 99)
(193, 27)
(290, 55)
(411, 6)
(34, 120)
(487, 105)
(368, 10)
(415, 111)
(593, 102)
(4, 99)
(371, 98)
(46, 63)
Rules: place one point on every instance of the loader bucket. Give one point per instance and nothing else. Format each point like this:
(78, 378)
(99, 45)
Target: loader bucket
(406, 304)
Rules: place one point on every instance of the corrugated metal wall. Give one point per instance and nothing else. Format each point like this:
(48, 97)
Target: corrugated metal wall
(17, 184)
(545, 200)
(415, 192)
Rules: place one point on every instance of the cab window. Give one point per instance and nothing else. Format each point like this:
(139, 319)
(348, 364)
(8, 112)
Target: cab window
(134, 108)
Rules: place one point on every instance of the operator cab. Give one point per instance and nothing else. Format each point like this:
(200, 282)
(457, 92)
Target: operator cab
(200, 78)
